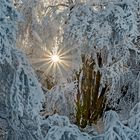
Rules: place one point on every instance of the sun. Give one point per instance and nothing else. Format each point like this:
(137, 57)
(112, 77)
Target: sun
(53, 61)
(55, 58)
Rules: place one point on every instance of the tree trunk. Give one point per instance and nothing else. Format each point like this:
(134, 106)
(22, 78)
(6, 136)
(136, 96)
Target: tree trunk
(90, 101)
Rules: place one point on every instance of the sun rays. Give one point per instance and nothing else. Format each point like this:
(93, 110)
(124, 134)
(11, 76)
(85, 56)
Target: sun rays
(55, 61)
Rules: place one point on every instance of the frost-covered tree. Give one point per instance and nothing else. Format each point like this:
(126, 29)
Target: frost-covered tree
(100, 40)
(104, 37)
(20, 92)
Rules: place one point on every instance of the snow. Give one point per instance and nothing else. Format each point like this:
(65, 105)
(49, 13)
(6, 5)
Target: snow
(21, 95)
(61, 99)
(90, 29)
(67, 132)
(60, 128)
(116, 130)
(134, 121)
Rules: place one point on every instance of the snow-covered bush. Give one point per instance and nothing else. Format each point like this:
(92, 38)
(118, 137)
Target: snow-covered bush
(134, 121)
(57, 120)
(61, 129)
(61, 100)
(114, 129)
(70, 132)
